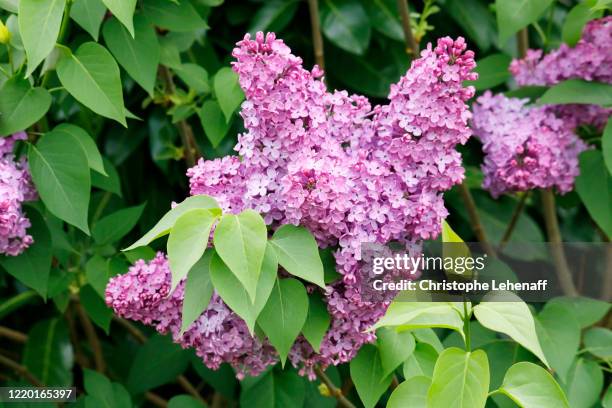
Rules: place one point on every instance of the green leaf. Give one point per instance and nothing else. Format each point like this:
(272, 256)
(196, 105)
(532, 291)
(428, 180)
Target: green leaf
(138, 55)
(187, 241)
(234, 294)
(21, 105)
(95, 307)
(460, 379)
(384, 18)
(48, 353)
(513, 319)
(198, 291)
(584, 384)
(594, 186)
(194, 76)
(185, 401)
(416, 315)
(607, 399)
(492, 71)
(273, 16)
(115, 226)
(394, 348)
(94, 158)
(513, 16)
(273, 389)
(577, 91)
(575, 21)
(298, 253)
(531, 386)
(587, 311)
(213, 122)
(283, 316)
(228, 91)
(97, 273)
(157, 362)
(174, 16)
(430, 337)
(317, 321)
(240, 241)
(164, 225)
(60, 173)
(476, 18)
(89, 15)
(39, 25)
(101, 392)
(421, 362)
(368, 375)
(346, 24)
(411, 393)
(33, 266)
(606, 145)
(92, 76)
(124, 11)
(559, 334)
(222, 380)
(598, 341)
(10, 5)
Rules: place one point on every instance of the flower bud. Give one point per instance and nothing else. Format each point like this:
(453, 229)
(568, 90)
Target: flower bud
(5, 34)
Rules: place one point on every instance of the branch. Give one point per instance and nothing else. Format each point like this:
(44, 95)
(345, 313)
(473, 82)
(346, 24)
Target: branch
(14, 335)
(187, 386)
(515, 217)
(317, 39)
(470, 206)
(92, 337)
(156, 400)
(522, 41)
(335, 391)
(20, 370)
(412, 46)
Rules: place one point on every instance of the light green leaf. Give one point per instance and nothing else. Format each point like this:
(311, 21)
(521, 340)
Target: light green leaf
(394, 348)
(92, 76)
(460, 379)
(21, 105)
(227, 91)
(421, 362)
(213, 122)
(584, 384)
(187, 241)
(385, 18)
(124, 11)
(115, 226)
(273, 16)
(240, 241)
(164, 225)
(594, 186)
(233, 293)
(174, 16)
(492, 71)
(575, 21)
(94, 158)
(513, 319)
(48, 353)
(368, 375)
(194, 76)
(110, 183)
(416, 315)
(317, 321)
(95, 307)
(39, 25)
(346, 24)
(138, 55)
(578, 91)
(606, 145)
(598, 341)
(198, 291)
(33, 266)
(513, 15)
(60, 173)
(531, 386)
(89, 15)
(430, 337)
(586, 310)
(103, 393)
(298, 253)
(607, 399)
(284, 314)
(411, 393)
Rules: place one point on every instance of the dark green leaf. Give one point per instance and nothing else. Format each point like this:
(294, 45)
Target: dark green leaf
(317, 321)
(87, 144)
(97, 273)
(346, 24)
(475, 18)
(213, 122)
(598, 341)
(576, 19)
(584, 384)
(514, 15)
(101, 393)
(21, 105)
(594, 186)
(185, 401)
(273, 16)
(89, 15)
(95, 307)
(492, 71)
(110, 183)
(115, 226)
(273, 389)
(578, 91)
(198, 291)
(384, 18)
(368, 375)
(194, 76)
(124, 11)
(587, 311)
(48, 353)
(606, 145)
(174, 16)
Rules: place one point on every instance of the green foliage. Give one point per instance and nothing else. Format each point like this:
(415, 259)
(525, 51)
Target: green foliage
(101, 392)
(345, 23)
(531, 386)
(198, 291)
(21, 105)
(492, 71)
(513, 16)
(368, 375)
(317, 321)
(594, 186)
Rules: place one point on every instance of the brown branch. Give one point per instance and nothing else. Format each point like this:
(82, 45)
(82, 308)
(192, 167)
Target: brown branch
(554, 237)
(334, 391)
(156, 399)
(412, 46)
(80, 358)
(479, 231)
(20, 370)
(515, 217)
(187, 386)
(13, 335)
(522, 42)
(92, 337)
(317, 39)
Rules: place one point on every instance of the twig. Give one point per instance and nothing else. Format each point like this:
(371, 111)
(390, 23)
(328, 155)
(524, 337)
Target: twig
(20, 370)
(522, 41)
(554, 237)
(515, 217)
(92, 337)
(217, 400)
(479, 231)
(17, 301)
(334, 391)
(317, 39)
(156, 400)
(14, 335)
(187, 386)
(412, 47)
(80, 358)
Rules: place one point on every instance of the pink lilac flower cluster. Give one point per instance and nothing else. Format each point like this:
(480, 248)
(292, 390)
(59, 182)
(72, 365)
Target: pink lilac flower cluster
(537, 147)
(15, 188)
(349, 172)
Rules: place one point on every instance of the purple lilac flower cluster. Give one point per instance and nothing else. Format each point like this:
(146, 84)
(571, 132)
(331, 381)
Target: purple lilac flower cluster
(15, 188)
(537, 147)
(349, 172)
